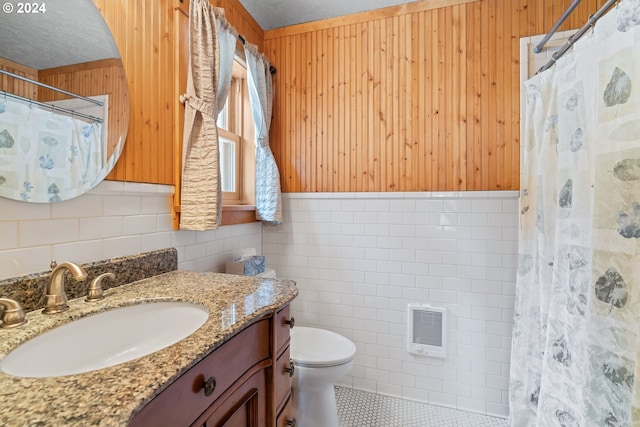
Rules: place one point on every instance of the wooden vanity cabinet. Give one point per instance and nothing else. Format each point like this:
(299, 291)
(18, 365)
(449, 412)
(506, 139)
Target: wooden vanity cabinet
(226, 388)
(284, 369)
(245, 382)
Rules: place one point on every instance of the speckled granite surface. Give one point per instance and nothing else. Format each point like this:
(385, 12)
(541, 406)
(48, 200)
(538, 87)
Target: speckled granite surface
(29, 290)
(110, 396)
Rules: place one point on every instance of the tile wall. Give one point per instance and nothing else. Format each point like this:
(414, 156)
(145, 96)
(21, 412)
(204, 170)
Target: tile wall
(114, 219)
(360, 258)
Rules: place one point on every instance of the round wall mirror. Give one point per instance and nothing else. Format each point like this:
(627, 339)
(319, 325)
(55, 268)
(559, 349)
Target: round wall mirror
(64, 100)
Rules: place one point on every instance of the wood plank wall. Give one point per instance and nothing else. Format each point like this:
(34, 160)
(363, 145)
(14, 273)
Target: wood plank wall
(92, 78)
(144, 33)
(105, 77)
(16, 86)
(423, 97)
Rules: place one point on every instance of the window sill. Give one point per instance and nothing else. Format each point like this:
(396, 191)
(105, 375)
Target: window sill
(238, 214)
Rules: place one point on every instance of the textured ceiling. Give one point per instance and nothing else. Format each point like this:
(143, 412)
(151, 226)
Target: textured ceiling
(281, 13)
(68, 32)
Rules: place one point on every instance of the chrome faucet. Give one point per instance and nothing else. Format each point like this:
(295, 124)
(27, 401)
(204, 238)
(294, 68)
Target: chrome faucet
(13, 315)
(56, 298)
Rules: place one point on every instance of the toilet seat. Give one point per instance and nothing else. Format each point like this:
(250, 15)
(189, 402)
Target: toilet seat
(319, 348)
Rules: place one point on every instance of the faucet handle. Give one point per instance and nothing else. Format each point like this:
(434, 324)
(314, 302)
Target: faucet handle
(95, 292)
(13, 315)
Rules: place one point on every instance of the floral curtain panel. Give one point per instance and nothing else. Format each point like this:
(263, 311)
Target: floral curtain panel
(212, 47)
(575, 350)
(268, 195)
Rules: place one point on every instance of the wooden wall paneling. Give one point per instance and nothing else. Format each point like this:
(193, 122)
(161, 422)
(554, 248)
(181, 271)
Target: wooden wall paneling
(440, 81)
(336, 120)
(372, 15)
(509, 138)
(311, 103)
(393, 103)
(498, 167)
(419, 83)
(473, 78)
(144, 32)
(343, 108)
(290, 78)
(289, 111)
(180, 39)
(360, 131)
(459, 177)
(351, 92)
(449, 120)
(303, 114)
(104, 77)
(278, 141)
(331, 111)
(376, 118)
(407, 180)
(424, 98)
(485, 113)
(386, 116)
(311, 109)
(17, 86)
(299, 108)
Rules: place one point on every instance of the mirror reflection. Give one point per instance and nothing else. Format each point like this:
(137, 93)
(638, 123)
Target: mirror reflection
(64, 101)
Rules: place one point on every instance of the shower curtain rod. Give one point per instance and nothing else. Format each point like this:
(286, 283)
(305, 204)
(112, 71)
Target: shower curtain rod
(555, 27)
(581, 32)
(52, 107)
(35, 82)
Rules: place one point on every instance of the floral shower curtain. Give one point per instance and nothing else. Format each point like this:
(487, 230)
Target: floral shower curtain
(575, 348)
(48, 157)
(212, 47)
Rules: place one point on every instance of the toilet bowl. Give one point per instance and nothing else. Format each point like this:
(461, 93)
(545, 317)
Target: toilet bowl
(320, 358)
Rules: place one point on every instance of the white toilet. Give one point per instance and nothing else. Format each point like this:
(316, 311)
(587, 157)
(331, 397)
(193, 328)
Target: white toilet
(320, 358)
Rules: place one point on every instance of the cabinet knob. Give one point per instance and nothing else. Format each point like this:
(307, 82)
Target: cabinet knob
(209, 386)
(291, 322)
(291, 369)
(291, 423)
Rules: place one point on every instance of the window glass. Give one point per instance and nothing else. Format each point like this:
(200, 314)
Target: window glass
(228, 165)
(223, 117)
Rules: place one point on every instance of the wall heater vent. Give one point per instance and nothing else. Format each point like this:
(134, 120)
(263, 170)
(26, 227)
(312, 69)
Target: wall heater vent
(426, 334)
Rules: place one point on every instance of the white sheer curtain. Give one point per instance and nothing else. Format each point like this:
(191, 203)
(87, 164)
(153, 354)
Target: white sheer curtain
(268, 195)
(575, 357)
(212, 47)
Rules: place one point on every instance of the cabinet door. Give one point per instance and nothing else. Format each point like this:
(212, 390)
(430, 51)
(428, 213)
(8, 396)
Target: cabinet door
(246, 406)
(185, 400)
(283, 373)
(285, 419)
(284, 323)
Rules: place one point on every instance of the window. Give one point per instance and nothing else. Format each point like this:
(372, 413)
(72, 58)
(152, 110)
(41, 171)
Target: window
(236, 146)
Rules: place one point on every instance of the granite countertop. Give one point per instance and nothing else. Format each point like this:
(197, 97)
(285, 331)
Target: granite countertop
(110, 396)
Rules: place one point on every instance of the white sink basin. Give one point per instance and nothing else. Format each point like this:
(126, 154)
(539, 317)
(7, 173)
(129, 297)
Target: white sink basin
(105, 339)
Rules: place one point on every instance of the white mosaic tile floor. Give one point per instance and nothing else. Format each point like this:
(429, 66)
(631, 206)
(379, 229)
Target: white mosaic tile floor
(358, 408)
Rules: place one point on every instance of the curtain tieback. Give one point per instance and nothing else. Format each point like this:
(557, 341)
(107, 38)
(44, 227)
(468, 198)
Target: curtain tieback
(200, 105)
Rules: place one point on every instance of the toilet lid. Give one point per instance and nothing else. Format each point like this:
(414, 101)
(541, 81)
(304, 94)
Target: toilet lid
(317, 348)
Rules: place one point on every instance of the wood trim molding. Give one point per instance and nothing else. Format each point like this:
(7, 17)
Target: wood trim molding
(238, 214)
(5, 63)
(387, 12)
(84, 66)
